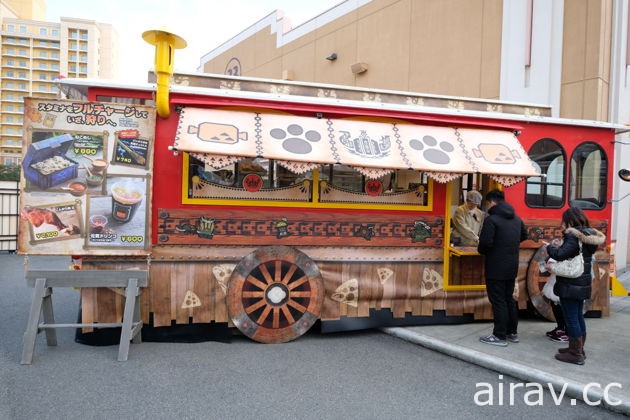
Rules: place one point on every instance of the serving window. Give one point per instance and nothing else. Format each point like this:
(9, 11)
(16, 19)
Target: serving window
(268, 182)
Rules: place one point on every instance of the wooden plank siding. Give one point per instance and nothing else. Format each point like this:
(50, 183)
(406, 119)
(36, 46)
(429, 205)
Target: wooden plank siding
(170, 281)
(400, 292)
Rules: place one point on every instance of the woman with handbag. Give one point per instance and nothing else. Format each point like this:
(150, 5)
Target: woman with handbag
(573, 278)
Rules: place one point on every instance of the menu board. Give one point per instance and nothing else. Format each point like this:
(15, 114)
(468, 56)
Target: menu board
(86, 184)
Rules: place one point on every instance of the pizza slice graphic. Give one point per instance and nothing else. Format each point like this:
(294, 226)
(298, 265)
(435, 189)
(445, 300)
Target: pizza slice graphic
(222, 273)
(347, 293)
(191, 300)
(384, 274)
(431, 282)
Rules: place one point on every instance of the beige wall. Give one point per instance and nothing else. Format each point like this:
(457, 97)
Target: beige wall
(29, 9)
(108, 50)
(447, 47)
(6, 11)
(586, 59)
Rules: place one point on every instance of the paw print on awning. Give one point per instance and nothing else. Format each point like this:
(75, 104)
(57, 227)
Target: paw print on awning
(374, 147)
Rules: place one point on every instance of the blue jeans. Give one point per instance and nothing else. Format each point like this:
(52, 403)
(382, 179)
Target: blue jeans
(574, 317)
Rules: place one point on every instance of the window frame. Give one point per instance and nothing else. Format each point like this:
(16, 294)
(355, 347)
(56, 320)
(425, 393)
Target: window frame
(581, 202)
(314, 202)
(543, 184)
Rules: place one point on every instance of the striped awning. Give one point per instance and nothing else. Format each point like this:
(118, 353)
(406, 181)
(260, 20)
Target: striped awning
(373, 147)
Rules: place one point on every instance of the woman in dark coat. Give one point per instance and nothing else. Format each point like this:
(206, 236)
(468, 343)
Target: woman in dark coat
(574, 291)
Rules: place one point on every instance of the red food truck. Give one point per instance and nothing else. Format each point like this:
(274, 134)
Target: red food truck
(270, 205)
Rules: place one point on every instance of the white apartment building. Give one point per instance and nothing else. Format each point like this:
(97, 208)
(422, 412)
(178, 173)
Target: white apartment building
(35, 53)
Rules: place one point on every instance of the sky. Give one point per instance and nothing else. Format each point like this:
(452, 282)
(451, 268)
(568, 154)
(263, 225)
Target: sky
(204, 24)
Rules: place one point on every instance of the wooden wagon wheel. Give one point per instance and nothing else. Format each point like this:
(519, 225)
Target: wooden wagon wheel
(535, 284)
(275, 294)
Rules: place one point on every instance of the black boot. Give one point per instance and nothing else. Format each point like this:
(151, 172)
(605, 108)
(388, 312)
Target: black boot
(574, 355)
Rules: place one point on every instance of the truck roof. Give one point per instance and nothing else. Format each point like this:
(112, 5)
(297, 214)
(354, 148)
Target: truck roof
(273, 90)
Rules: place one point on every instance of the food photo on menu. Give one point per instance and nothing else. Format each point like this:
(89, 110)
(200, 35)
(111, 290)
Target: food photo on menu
(118, 218)
(71, 162)
(54, 221)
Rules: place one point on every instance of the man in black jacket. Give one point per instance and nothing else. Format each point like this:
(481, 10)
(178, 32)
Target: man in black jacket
(499, 242)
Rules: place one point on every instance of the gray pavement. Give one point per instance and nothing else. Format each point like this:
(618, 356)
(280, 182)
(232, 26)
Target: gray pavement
(532, 360)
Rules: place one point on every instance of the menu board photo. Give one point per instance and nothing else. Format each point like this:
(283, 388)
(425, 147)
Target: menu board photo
(86, 184)
(131, 150)
(118, 218)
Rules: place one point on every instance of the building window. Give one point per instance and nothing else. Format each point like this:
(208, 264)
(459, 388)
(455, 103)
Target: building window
(43, 43)
(83, 69)
(9, 85)
(22, 29)
(43, 65)
(84, 35)
(53, 88)
(54, 55)
(9, 131)
(589, 167)
(22, 41)
(43, 31)
(10, 96)
(42, 77)
(42, 88)
(546, 190)
(10, 51)
(23, 53)
(83, 47)
(72, 34)
(9, 107)
(22, 63)
(54, 66)
(11, 28)
(73, 57)
(43, 54)
(73, 68)
(21, 108)
(10, 119)
(55, 32)
(10, 73)
(10, 63)
(22, 86)
(22, 75)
